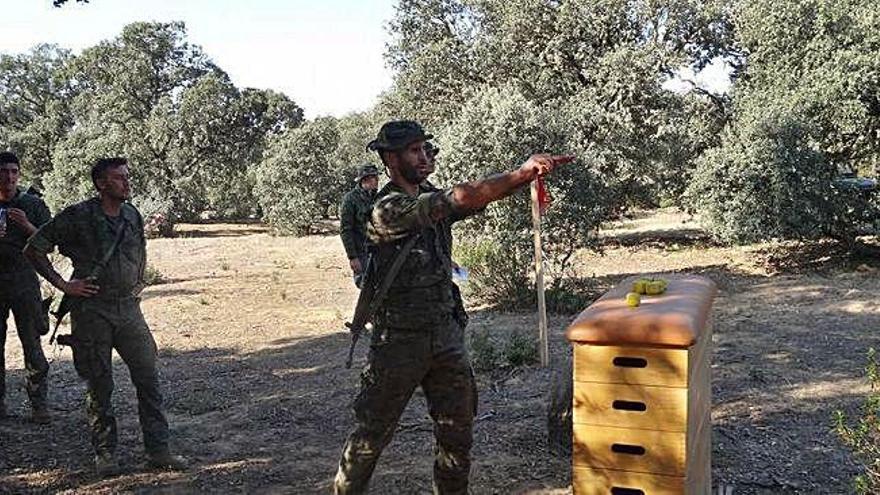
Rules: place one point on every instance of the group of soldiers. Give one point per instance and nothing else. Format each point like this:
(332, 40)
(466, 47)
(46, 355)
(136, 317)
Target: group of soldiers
(104, 239)
(417, 339)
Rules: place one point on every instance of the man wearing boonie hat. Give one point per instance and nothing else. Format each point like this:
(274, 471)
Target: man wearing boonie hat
(418, 330)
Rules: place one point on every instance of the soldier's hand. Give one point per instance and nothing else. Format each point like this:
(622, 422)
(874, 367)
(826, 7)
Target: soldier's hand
(19, 217)
(80, 287)
(543, 164)
(355, 264)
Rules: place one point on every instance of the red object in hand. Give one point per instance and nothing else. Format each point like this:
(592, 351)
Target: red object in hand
(543, 196)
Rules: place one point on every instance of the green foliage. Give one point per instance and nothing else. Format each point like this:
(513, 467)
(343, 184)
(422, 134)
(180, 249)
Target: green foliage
(307, 170)
(483, 352)
(521, 349)
(190, 135)
(152, 275)
(863, 436)
(297, 182)
(35, 109)
(807, 105)
(494, 132)
(496, 276)
(498, 81)
(766, 181)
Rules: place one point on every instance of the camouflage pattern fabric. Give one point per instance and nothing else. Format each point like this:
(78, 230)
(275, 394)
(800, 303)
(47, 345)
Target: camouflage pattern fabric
(20, 295)
(110, 320)
(353, 216)
(417, 341)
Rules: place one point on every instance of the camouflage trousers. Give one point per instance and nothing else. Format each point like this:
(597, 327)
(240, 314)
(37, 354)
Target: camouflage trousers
(99, 326)
(20, 294)
(399, 361)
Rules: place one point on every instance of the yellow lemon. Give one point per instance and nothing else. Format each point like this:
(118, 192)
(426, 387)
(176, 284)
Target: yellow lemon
(640, 286)
(633, 299)
(654, 288)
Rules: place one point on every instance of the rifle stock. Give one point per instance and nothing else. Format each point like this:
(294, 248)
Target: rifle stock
(372, 295)
(362, 310)
(64, 307)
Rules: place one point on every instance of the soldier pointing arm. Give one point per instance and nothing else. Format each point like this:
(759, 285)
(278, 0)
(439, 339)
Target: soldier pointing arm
(418, 337)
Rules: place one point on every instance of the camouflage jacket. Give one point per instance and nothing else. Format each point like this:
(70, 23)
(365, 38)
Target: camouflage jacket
(423, 290)
(353, 216)
(11, 259)
(84, 233)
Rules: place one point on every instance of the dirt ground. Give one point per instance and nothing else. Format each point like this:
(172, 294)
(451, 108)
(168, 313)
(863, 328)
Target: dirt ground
(250, 331)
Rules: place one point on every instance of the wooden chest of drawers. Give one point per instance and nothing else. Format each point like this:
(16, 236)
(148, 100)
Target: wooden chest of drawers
(642, 392)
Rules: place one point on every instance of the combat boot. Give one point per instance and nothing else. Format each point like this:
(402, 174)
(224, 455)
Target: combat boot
(167, 461)
(40, 415)
(106, 465)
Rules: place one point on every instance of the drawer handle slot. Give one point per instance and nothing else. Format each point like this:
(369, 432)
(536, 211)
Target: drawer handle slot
(616, 490)
(622, 448)
(630, 362)
(629, 405)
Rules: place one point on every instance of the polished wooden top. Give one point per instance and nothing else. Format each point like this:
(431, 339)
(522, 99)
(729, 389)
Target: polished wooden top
(672, 319)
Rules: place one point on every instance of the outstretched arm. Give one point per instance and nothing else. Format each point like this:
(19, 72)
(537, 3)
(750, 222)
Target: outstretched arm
(478, 194)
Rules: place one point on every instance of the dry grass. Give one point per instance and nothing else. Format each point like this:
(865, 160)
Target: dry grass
(249, 328)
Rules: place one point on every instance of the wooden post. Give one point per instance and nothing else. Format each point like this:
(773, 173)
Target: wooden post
(543, 348)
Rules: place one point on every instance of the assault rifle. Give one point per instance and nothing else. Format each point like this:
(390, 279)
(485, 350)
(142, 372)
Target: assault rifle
(372, 295)
(68, 302)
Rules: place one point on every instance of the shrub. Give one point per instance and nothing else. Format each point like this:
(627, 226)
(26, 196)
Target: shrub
(767, 180)
(152, 275)
(484, 354)
(521, 349)
(497, 277)
(863, 437)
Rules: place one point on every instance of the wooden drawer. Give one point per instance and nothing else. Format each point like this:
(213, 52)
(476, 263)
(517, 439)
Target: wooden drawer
(632, 365)
(646, 451)
(631, 406)
(593, 481)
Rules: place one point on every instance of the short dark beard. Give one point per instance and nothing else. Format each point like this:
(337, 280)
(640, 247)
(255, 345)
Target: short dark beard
(410, 174)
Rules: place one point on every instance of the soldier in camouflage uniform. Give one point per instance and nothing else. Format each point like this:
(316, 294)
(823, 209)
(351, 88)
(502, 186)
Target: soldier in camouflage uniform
(353, 215)
(107, 313)
(418, 339)
(19, 287)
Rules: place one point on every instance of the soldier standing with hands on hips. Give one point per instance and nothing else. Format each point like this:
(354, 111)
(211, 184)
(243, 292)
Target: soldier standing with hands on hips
(104, 238)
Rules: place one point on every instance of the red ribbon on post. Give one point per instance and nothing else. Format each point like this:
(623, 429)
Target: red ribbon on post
(543, 197)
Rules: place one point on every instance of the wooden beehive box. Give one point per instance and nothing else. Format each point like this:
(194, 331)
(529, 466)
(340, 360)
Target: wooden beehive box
(642, 392)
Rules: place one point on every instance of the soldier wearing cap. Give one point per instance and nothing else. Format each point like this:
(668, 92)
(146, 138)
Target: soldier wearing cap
(353, 215)
(418, 335)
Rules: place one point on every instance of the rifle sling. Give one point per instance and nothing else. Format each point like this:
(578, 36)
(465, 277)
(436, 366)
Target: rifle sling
(96, 272)
(63, 306)
(385, 285)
